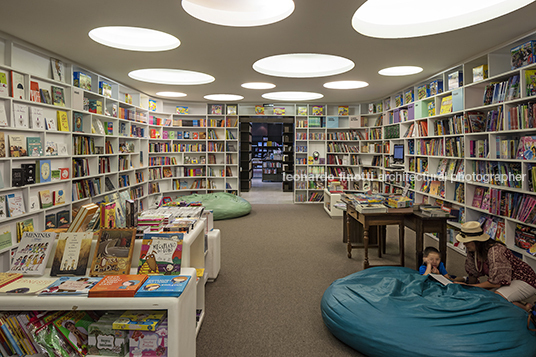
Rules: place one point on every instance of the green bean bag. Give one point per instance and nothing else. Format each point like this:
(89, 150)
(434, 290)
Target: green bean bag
(223, 205)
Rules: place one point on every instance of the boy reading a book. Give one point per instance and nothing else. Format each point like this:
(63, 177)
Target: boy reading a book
(432, 263)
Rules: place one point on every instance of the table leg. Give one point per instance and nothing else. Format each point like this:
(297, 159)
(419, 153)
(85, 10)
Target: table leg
(381, 241)
(348, 240)
(443, 242)
(401, 233)
(365, 243)
(419, 244)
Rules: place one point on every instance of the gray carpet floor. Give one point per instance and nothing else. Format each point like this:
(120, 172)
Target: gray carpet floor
(276, 263)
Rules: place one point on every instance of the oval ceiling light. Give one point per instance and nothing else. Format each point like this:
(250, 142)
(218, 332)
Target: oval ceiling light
(346, 84)
(223, 97)
(171, 76)
(258, 85)
(134, 38)
(294, 96)
(303, 65)
(239, 13)
(414, 18)
(400, 71)
(171, 94)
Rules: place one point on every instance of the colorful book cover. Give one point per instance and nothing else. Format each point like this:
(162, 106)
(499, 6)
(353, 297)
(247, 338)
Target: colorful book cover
(27, 286)
(113, 253)
(163, 285)
(17, 146)
(317, 110)
(78, 120)
(45, 96)
(259, 109)
(71, 285)
(104, 340)
(45, 198)
(32, 254)
(161, 253)
(149, 343)
(217, 109)
(105, 89)
(302, 110)
(446, 105)
(74, 327)
(34, 146)
(15, 204)
(139, 320)
(58, 197)
(58, 97)
(343, 110)
(181, 109)
(118, 286)
(58, 69)
(50, 221)
(35, 95)
(6, 278)
(72, 254)
(152, 105)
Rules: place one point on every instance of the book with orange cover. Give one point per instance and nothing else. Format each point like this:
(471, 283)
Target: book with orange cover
(118, 286)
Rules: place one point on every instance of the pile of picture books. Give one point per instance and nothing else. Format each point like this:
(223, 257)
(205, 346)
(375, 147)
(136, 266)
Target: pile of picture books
(366, 203)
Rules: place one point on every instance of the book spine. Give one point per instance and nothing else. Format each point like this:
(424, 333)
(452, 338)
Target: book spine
(10, 338)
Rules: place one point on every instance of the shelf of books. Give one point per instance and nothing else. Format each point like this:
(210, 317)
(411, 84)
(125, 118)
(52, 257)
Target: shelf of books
(468, 136)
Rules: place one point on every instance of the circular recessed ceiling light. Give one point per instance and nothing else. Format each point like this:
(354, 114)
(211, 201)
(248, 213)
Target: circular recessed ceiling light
(400, 71)
(411, 18)
(258, 85)
(346, 84)
(223, 97)
(134, 38)
(295, 96)
(171, 94)
(170, 76)
(239, 13)
(303, 65)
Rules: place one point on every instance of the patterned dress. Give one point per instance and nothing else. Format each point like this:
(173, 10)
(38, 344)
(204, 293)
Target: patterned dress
(501, 267)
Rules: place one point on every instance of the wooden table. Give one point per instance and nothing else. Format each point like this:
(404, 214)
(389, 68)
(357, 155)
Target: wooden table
(421, 223)
(394, 216)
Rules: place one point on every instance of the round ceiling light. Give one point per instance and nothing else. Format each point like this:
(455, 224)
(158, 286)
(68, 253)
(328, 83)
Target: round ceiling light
(239, 13)
(134, 38)
(223, 97)
(258, 85)
(412, 18)
(171, 76)
(400, 71)
(346, 84)
(303, 65)
(294, 96)
(171, 94)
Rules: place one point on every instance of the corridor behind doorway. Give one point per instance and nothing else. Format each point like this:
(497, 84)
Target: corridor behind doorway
(267, 193)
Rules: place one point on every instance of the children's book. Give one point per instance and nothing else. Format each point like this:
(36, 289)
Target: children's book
(3, 114)
(58, 197)
(20, 116)
(44, 169)
(58, 70)
(15, 204)
(45, 96)
(62, 149)
(32, 254)
(27, 286)
(161, 253)
(34, 146)
(62, 218)
(24, 226)
(71, 285)
(118, 286)
(58, 96)
(139, 320)
(18, 85)
(17, 145)
(113, 253)
(7, 278)
(78, 120)
(4, 90)
(74, 327)
(163, 285)
(63, 120)
(45, 198)
(35, 96)
(51, 148)
(50, 221)
(72, 254)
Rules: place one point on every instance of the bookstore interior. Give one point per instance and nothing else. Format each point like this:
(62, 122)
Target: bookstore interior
(94, 172)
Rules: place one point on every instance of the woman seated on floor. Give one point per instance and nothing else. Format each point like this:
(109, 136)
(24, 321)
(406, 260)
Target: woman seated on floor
(512, 278)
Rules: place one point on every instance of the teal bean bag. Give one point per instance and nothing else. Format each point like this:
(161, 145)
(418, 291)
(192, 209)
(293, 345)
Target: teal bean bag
(223, 205)
(394, 311)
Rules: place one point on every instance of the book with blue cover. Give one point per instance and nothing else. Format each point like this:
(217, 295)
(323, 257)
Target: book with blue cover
(163, 285)
(71, 285)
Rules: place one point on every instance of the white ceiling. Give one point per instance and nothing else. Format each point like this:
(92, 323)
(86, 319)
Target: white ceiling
(228, 53)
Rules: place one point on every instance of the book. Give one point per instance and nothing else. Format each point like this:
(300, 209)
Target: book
(118, 286)
(4, 90)
(58, 197)
(105, 341)
(58, 96)
(99, 128)
(62, 218)
(44, 169)
(446, 105)
(58, 69)
(18, 85)
(45, 199)
(73, 326)
(78, 121)
(45, 96)
(72, 254)
(6, 278)
(2, 145)
(51, 148)
(20, 116)
(152, 105)
(37, 118)
(63, 120)
(71, 285)
(24, 226)
(180, 109)
(50, 221)
(33, 252)
(17, 145)
(139, 320)
(27, 286)
(161, 253)
(259, 109)
(34, 147)
(62, 149)
(35, 95)
(440, 278)
(17, 177)
(3, 114)
(107, 219)
(113, 253)
(15, 204)
(530, 82)
(82, 80)
(163, 285)
(6, 239)
(82, 218)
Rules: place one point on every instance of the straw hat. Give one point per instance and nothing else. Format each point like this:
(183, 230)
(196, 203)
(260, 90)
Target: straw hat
(472, 231)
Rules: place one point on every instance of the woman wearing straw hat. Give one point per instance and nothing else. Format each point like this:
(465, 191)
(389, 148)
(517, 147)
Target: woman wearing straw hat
(512, 278)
